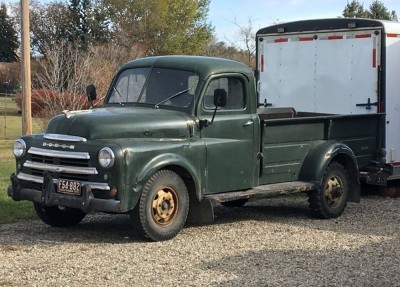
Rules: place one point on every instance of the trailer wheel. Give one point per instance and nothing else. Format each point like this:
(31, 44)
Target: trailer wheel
(162, 208)
(59, 216)
(235, 203)
(330, 199)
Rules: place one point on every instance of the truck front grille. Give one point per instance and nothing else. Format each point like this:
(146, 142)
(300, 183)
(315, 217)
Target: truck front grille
(60, 164)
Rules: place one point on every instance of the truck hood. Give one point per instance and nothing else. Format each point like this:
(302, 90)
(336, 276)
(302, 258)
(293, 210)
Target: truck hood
(121, 122)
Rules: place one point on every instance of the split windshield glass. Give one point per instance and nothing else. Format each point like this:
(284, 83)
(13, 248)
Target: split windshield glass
(157, 87)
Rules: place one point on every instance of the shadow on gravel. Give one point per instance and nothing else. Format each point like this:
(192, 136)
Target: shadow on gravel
(364, 218)
(97, 228)
(374, 215)
(116, 229)
(357, 267)
(267, 209)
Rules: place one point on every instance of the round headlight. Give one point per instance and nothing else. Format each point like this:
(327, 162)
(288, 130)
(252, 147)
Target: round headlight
(106, 157)
(19, 148)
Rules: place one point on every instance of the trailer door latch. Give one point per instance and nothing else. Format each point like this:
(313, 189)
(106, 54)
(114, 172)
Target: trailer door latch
(368, 104)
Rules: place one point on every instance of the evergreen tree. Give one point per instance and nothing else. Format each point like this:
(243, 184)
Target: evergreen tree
(88, 23)
(377, 10)
(354, 10)
(8, 37)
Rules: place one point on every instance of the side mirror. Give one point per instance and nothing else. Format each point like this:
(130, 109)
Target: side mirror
(220, 97)
(91, 92)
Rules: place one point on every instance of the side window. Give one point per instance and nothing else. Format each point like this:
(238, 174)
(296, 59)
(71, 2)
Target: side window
(234, 89)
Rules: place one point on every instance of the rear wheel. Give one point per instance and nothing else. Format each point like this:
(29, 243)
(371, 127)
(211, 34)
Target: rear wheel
(59, 216)
(330, 199)
(163, 206)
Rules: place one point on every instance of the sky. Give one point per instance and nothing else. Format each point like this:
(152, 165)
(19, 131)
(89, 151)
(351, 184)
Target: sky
(263, 13)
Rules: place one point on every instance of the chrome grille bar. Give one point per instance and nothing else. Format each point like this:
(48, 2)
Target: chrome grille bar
(65, 138)
(39, 179)
(58, 153)
(61, 168)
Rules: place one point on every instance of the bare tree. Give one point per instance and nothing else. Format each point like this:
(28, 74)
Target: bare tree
(243, 43)
(105, 60)
(64, 73)
(246, 35)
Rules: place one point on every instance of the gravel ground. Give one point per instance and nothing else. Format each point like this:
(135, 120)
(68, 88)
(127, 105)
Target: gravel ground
(271, 242)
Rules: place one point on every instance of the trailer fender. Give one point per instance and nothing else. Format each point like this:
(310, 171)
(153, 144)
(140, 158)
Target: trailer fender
(318, 159)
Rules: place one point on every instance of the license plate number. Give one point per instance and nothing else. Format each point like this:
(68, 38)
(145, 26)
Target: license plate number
(69, 186)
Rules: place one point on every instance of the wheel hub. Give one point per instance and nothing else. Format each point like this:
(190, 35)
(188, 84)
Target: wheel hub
(164, 206)
(333, 191)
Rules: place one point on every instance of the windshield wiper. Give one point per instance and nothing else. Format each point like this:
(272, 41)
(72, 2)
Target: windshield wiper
(119, 96)
(156, 106)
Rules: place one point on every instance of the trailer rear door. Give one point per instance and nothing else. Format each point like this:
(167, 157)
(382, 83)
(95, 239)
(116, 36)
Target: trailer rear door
(318, 72)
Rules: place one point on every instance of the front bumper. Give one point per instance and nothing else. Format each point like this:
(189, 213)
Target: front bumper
(49, 197)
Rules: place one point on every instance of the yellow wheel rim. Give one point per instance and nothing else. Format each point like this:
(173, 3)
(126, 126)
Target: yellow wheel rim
(333, 191)
(165, 205)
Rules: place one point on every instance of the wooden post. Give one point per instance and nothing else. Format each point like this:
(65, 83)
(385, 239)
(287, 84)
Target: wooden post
(26, 70)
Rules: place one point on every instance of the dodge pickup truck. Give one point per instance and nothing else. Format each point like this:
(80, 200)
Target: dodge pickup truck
(179, 134)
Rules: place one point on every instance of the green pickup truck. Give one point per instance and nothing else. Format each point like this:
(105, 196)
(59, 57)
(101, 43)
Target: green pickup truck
(179, 134)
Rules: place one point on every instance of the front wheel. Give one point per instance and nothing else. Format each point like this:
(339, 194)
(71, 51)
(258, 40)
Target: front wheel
(59, 216)
(162, 208)
(330, 198)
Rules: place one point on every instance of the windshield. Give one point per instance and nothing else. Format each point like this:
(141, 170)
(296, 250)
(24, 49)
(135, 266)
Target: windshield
(157, 86)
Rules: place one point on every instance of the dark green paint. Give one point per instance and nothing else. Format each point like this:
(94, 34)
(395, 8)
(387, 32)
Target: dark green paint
(238, 151)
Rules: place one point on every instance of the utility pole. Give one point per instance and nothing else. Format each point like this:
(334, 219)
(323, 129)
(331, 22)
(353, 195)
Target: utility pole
(26, 70)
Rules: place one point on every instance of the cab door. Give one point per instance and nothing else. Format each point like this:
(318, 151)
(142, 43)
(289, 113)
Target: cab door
(229, 140)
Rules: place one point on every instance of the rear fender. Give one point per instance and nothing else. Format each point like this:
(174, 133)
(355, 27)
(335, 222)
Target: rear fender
(318, 159)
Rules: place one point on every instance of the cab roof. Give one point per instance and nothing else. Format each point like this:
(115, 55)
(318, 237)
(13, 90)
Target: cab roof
(203, 66)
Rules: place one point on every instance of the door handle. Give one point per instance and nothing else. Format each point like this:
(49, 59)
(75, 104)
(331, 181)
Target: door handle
(248, 123)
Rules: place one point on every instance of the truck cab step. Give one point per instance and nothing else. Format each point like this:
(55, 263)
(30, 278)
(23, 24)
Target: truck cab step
(268, 190)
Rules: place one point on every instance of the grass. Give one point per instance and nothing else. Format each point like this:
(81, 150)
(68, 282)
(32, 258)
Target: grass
(10, 129)
(10, 210)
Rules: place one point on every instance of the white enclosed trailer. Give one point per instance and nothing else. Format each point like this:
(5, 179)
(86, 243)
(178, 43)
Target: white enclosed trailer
(343, 66)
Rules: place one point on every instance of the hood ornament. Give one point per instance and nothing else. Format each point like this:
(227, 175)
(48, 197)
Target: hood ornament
(68, 114)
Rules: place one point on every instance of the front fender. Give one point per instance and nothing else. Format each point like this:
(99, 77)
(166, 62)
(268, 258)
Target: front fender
(165, 160)
(318, 159)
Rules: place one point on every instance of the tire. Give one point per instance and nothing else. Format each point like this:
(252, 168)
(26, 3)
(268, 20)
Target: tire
(163, 207)
(330, 199)
(59, 216)
(235, 203)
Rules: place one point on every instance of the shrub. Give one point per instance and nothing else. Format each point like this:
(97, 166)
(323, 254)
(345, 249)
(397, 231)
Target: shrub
(46, 103)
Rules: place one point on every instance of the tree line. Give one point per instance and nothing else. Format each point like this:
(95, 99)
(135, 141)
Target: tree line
(150, 27)
(100, 35)
(77, 42)
(377, 10)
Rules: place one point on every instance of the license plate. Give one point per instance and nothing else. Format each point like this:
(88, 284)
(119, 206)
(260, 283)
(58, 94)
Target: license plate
(69, 186)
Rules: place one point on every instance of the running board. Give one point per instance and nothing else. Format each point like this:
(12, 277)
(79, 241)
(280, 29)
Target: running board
(262, 191)
(203, 212)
